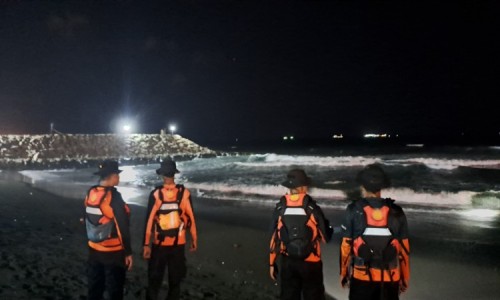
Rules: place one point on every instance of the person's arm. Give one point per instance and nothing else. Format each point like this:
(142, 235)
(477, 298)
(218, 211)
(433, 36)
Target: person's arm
(346, 246)
(404, 253)
(274, 246)
(187, 209)
(146, 240)
(122, 221)
(320, 219)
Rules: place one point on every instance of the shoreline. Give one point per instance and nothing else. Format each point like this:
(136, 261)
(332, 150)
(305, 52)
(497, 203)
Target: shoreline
(232, 258)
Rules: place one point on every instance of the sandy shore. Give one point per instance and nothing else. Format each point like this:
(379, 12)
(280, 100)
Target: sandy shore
(43, 252)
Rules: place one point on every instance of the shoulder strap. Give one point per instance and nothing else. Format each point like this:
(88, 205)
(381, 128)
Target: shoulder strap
(106, 191)
(281, 205)
(361, 203)
(180, 193)
(308, 205)
(160, 192)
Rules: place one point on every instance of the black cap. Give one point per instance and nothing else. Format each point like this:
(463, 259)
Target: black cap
(107, 168)
(296, 178)
(168, 168)
(373, 178)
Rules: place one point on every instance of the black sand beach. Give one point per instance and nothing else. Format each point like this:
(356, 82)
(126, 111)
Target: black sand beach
(43, 252)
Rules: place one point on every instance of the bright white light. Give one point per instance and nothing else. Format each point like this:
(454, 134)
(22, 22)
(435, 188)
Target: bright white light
(125, 125)
(338, 136)
(172, 129)
(285, 138)
(291, 137)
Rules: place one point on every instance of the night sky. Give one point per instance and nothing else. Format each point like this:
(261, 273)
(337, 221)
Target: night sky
(223, 70)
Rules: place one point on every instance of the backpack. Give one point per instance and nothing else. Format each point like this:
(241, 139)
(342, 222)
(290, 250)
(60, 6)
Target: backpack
(376, 247)
(168, 217)
(98, 218)
(294, 231)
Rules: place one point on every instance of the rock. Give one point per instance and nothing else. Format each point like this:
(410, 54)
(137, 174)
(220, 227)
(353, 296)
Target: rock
(74, 150)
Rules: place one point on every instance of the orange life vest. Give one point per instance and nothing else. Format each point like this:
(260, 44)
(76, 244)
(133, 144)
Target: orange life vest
(102, 231)
(169, 219)
(376, 250)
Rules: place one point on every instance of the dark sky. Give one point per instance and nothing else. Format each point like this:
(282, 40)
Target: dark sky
(227, 69)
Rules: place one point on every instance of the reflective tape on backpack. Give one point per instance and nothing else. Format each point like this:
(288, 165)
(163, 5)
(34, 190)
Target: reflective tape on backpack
(169, 206)
(292, 211)
(93, 211)
(377, 231)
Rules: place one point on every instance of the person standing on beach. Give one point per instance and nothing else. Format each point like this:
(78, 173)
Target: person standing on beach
(169, 216)
(107, 223)
(375, 249)
(298, 228)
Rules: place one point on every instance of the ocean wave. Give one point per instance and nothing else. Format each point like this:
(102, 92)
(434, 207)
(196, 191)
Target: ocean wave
(261, 190)
(447, 164)
(331, 196)
(277, 160)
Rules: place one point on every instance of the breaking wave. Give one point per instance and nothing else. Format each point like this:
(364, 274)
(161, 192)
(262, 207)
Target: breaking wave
(276, 160)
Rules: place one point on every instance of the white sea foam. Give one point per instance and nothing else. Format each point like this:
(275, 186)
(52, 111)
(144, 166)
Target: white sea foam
(276, 160)
(447, 164)
(261, 190)
(406, 195)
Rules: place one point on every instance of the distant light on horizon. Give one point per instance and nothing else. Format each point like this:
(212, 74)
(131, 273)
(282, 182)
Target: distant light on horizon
(376, 135)
(127, 128)
(338, 136)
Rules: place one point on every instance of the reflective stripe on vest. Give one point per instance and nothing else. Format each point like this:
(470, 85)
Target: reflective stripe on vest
(295, 211)
(377, 231)
(93, 211)
(169, 206)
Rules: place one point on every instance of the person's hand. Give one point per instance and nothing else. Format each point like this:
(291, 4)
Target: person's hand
(272, 272)
(403, 286)
(146, 252)
(129, 262)
(194, 246)
(344, 282)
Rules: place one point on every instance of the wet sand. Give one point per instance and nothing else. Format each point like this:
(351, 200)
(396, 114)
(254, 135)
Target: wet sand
(43, 252)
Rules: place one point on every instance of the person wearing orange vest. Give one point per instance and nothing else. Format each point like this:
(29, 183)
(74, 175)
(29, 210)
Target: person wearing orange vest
(169, 216)
(298, 228)
(107, 222)
(375, 248)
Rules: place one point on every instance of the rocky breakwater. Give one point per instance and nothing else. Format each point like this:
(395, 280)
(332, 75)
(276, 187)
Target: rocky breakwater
(74, 150)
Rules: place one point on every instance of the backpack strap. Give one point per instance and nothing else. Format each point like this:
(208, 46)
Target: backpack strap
(160, 193)
(308, 205)
(180, 192)
(361, 203)
(281, 207)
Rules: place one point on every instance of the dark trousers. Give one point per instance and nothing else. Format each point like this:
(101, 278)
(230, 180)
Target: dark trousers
(367, 290)
(300, 278)
(106, 271)
(173, 258)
